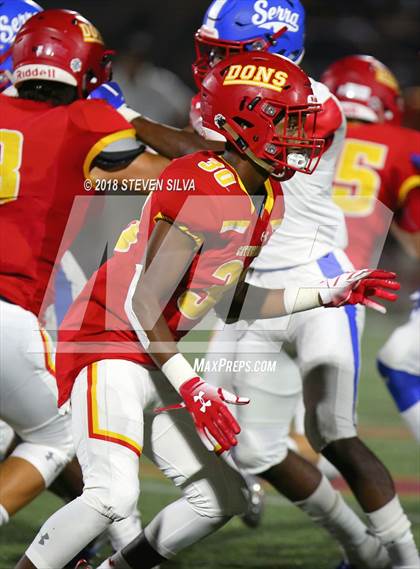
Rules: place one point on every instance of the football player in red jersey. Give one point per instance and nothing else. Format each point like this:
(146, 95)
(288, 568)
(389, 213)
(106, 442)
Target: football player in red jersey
(377, 166)
(118, 357)
(50, 138)
(330, 419)
(377, 180)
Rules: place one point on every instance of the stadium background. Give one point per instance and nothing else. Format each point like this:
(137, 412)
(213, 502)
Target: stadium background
(387, 29)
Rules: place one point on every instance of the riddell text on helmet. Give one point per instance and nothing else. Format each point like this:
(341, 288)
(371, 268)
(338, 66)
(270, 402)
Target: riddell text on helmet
(34, 72)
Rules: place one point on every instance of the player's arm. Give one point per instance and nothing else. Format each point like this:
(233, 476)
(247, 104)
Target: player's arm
(145, 166)
(168, 257)
(329, 119)
(165, 140)
(359, 287)
(169, 254)
(172, 142)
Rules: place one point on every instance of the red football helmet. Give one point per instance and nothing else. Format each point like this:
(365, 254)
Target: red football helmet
(61, 45)
(367, 89)
(259, 102)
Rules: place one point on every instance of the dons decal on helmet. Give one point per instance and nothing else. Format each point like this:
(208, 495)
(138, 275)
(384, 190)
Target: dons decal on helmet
(13, 14)
(62, 46)
(260, 102)
(233, 26)
(366, 88)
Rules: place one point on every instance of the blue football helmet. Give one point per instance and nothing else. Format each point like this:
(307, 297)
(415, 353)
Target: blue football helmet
(233, 26)
(13, 14)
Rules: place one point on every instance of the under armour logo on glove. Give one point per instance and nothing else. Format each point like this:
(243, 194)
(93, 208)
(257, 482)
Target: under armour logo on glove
(203, 402)
(43, 539)
(215, 424)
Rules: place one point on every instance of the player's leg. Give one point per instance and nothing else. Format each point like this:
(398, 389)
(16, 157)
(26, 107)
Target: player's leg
(298, 442)
(399, 364)
(28, 402)
(107, 418)
(219, 370)
(263, 450)
(330, 366)
(7, 439)
(212, 491)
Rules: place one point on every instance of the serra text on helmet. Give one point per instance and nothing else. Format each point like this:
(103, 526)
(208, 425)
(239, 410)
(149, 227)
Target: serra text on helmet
(9, 27)
(274, 17)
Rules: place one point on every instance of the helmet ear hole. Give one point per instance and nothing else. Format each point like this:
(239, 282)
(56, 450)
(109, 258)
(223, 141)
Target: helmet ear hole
(253, 103)
(243, 123)
(280, 116)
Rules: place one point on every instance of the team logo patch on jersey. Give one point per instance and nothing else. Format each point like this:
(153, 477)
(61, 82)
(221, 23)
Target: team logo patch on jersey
(275, 17)
(256, 75)
(248, 251)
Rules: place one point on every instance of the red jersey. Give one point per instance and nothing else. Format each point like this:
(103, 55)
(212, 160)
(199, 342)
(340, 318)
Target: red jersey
(375, 180)
(46, 153)
(218, 214)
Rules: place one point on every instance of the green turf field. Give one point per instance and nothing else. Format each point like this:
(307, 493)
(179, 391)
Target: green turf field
(286, 539)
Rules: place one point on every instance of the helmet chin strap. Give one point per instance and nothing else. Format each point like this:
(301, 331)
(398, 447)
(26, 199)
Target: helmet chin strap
(220, 121)
(262, 163)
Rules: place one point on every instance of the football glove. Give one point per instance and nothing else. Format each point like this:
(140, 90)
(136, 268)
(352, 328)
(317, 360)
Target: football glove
(415, 160)
(112, 93)
(359, 287)
(215, 424)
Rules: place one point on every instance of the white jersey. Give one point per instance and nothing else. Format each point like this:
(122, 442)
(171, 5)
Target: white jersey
(313, 224)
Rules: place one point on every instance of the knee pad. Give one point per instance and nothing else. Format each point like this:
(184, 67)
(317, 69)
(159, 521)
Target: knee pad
(329, 395)
(6, 437)
(260, 448)
(48, 460)
(215, 498)
(116, 501)
(323, 427)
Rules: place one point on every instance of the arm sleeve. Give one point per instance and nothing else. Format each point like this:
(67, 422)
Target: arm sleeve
(329, 119)
(331, 116)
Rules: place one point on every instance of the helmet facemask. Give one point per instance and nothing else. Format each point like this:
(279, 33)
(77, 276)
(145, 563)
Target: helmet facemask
(209, 50)
(286, 144)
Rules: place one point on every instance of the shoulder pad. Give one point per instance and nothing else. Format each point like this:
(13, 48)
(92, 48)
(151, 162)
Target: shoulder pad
(94, 115)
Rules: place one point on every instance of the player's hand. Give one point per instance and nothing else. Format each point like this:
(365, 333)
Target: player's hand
(415, 160)
(214, 422)
(111, 93)
(360, 287)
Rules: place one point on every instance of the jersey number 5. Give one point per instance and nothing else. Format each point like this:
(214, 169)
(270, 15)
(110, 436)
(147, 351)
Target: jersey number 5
(357, 181)
(11, 145)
